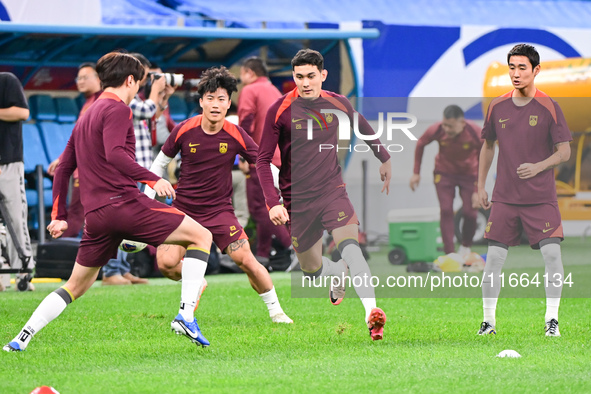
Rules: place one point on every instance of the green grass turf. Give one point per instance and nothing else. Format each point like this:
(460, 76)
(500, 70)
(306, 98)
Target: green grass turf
(118, 340)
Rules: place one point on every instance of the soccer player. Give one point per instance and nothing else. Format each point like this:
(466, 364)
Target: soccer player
(311, 183)
(456, 165)
(208, 145)
(102, 148)
(253, 103)
(533, 138)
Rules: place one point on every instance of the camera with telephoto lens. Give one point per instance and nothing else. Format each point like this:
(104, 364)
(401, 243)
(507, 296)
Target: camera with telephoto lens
(174, 80)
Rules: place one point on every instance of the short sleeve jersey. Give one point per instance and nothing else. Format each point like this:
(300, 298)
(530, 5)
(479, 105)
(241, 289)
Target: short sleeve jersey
(11, 135)
(526, 134)
(205, 181)
(457, 155)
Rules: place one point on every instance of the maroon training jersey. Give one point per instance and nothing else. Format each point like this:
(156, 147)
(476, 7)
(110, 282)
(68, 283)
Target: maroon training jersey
(526, 134)
(102, 146)
(457, 155)
(205, 182)
(306, 171)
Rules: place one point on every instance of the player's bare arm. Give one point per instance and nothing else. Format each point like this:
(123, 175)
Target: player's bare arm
(487, 153)
(278, 215)
(57, 227)
(561, 155)
(386, 174)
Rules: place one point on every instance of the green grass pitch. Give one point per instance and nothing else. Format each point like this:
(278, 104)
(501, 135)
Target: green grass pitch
(118, 340)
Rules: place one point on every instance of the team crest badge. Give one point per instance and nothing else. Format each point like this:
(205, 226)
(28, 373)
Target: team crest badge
(487, 229)
(533, 120)
(466, 146)
(223, 147)
(328, 118)
(294, 241)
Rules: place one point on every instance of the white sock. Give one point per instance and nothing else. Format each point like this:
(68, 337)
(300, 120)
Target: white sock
(490, 306)
(358, 267)
(491, 281)
(332, 268)
(50, 308)
(270, 299)
(193, 272)
(552, 305)
(555, 273)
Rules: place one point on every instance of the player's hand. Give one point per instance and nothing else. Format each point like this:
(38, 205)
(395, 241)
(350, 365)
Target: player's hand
(386, 174)
(164, 188)
(483, 199)
(475, 201)
(278, 215)
(57, 227)
(244, 166)
(52, 167)
(415, 179)
(527, 170)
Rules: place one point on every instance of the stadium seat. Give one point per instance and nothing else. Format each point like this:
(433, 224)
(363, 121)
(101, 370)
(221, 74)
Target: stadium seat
(33, 148)
(80, 100)
(67, 109)
(42, 107)
(55, 137)
(177, 108)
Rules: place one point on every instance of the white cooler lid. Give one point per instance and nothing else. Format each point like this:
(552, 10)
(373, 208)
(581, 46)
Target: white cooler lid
(430, 214)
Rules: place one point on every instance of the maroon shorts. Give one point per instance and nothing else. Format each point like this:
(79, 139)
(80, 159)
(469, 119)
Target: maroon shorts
(310, 217)
(222, 224)
(539, 221)
(140, 219)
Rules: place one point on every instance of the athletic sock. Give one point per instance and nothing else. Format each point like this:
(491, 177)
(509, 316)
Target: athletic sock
(491, 281)
(555, 273)
(193, 272)
(270, 299)
(360, 273)
(50, 308)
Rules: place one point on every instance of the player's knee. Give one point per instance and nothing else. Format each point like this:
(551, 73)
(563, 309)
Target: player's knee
(203, 238)
(446, 212)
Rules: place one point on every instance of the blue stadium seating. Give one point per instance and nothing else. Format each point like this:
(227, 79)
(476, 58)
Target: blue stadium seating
(42, 107)
(33, 148)
(67, 109)
(55, 136)
(178, 108)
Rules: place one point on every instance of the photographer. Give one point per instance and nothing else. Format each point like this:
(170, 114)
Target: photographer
(144, 108)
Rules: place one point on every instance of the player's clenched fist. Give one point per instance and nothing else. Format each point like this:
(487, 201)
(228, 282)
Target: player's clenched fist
(57, 227)
(278, 215)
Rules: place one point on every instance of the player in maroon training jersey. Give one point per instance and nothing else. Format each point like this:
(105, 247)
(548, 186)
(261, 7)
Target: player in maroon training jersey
(102, 147)
(456, 165)
(208, 145)
(311, 183)
(533, 138)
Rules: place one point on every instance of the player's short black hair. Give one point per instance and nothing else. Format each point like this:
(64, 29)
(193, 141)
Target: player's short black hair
(114, 68)
(217, 77)
(308, 56)
(145, 62)
(87, 64)
(526, 50)
(257, 65)
(453, 112)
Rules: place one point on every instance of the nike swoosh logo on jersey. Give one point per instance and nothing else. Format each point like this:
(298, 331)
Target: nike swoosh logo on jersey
(339, 219)
(295, 120)
(192, 145)
(233, 233)
(503, 120)
(547, 229)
